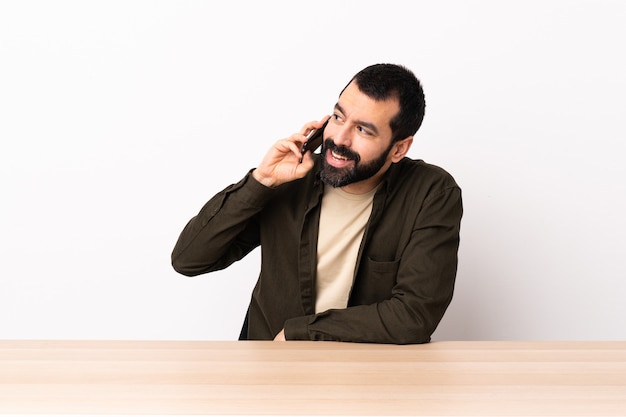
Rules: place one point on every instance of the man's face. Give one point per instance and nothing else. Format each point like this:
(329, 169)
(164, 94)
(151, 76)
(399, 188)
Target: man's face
(357, 141)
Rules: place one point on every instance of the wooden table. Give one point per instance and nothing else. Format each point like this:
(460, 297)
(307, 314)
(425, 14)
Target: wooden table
(312, 378)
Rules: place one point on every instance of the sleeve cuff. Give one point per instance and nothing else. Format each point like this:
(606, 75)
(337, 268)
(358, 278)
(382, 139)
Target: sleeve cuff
(253, 192)
(297, 328)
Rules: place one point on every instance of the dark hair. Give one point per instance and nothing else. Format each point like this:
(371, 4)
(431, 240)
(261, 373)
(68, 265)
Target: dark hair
(385, 81)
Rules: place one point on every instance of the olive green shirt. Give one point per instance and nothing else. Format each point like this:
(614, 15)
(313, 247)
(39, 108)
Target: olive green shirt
(405, 271)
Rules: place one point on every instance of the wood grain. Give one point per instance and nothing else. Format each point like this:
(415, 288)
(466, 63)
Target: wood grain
(312, 378)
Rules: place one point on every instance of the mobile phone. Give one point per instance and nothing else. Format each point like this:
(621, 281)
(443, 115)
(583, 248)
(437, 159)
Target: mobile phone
(314, 139)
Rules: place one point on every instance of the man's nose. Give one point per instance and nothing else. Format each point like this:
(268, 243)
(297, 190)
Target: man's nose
(343, 136)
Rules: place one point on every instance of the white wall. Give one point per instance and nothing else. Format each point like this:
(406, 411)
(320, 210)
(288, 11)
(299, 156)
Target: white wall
(118, 120)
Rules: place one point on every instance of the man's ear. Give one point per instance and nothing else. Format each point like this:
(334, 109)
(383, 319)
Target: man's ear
(400, 149)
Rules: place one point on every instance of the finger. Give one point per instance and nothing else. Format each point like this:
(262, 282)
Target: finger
(313, 125)
(307, 128)
(293, 145)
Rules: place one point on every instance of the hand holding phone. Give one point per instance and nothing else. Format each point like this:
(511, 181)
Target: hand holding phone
(314, 140)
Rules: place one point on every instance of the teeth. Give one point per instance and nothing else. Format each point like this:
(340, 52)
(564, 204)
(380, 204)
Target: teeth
(336, 156)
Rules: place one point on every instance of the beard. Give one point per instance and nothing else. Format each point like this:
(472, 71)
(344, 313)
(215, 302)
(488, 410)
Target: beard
(339, 177)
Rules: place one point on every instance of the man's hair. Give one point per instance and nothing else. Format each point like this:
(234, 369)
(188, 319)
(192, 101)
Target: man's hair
(386, 81)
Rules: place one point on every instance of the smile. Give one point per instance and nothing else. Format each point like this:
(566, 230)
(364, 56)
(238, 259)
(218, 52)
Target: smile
(338, 157)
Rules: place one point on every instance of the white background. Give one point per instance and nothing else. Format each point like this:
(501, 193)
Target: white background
(120, 119)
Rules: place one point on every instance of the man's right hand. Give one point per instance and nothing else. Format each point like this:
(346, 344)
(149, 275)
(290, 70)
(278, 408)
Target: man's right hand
(282, 163)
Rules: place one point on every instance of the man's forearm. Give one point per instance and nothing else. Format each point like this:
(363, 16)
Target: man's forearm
(221, 232)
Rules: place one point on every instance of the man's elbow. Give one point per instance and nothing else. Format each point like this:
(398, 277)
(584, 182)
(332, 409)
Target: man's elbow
(185, 268)
(415, 337)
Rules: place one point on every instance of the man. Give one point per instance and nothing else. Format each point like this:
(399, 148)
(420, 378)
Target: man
(358, 243)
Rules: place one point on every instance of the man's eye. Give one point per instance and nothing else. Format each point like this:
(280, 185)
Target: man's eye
(336, 117)
(362, 130)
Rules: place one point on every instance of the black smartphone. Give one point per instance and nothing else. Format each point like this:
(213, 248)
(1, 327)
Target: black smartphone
(314, 139)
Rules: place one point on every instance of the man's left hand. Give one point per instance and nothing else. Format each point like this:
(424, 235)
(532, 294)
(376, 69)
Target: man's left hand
(280, 337)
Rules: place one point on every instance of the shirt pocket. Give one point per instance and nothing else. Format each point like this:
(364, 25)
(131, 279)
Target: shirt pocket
(375, 281)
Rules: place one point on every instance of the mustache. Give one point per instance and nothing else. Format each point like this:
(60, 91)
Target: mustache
(344, 151)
